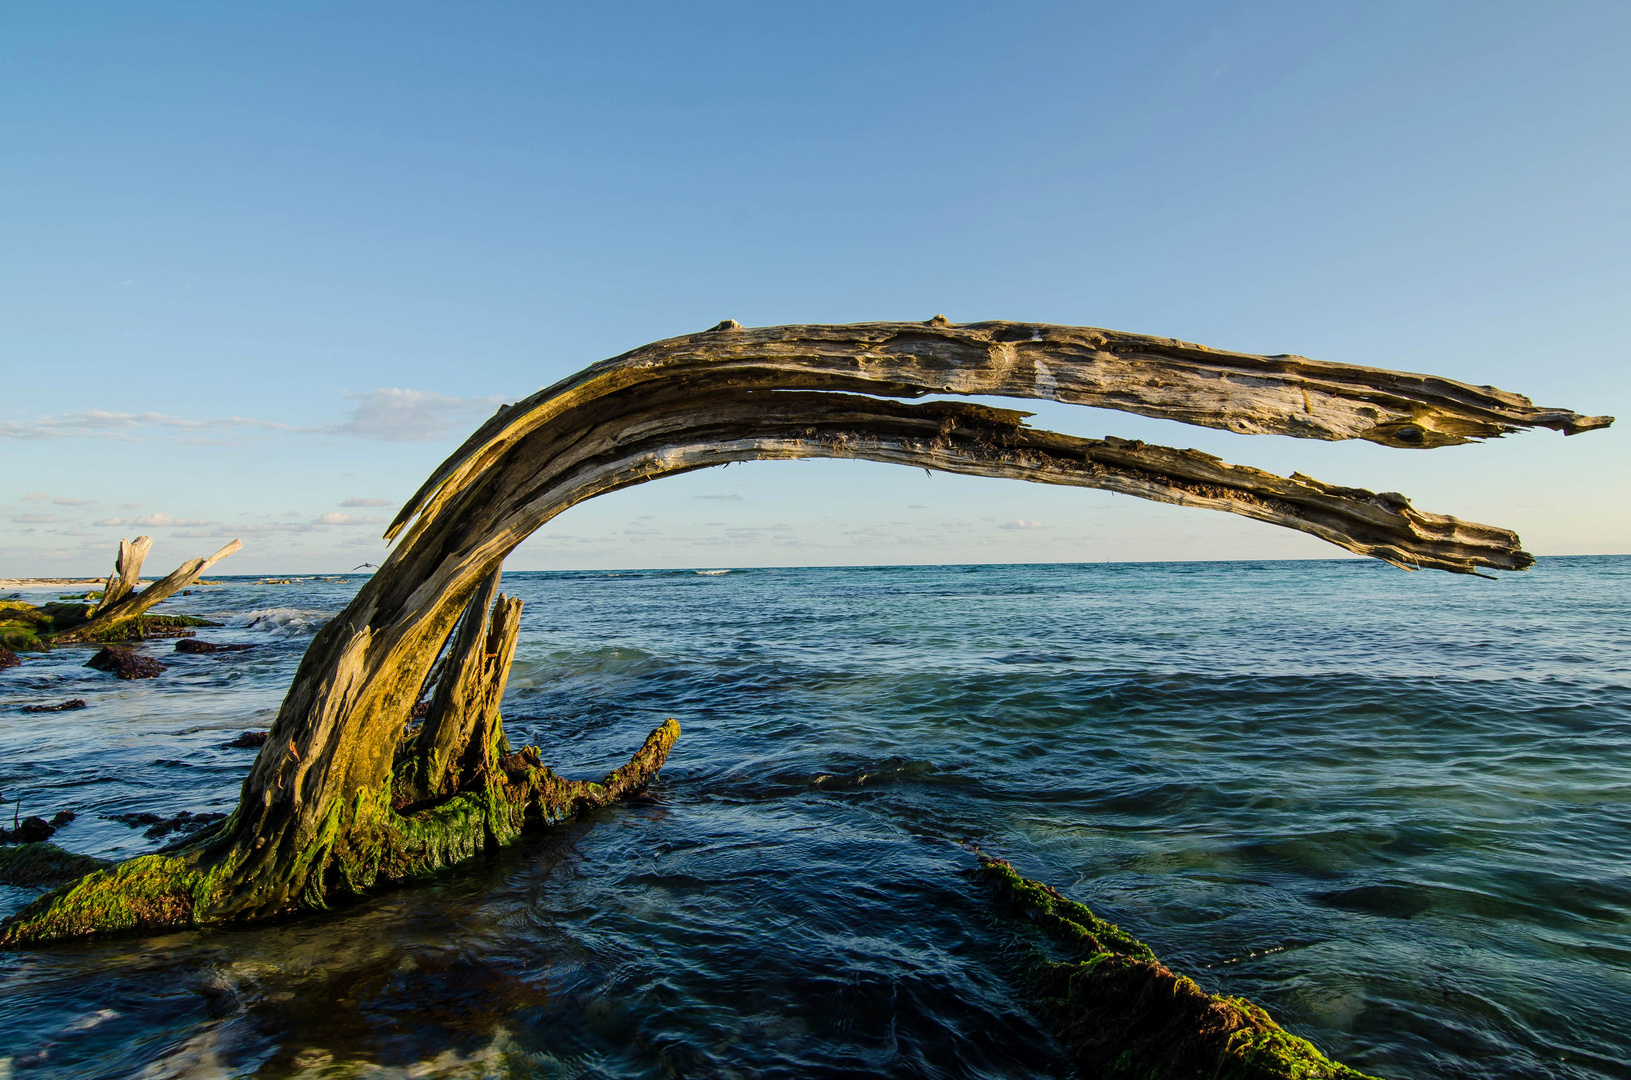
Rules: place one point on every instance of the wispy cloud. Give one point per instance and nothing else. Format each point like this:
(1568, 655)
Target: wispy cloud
(1021, 523)
(718, 498)
(412, 415)
(34, 519)
(160, 521)
(355, 501)
(394, 415)
(218, 531)
(40, 496)
(96, 423)
(200, 529)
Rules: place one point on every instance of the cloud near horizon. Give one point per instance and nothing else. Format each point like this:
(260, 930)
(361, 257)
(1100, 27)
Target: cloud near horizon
(397, 415)
(161, 521)
(195, 529)
(391, 414)
(40, 496)
(98, 423)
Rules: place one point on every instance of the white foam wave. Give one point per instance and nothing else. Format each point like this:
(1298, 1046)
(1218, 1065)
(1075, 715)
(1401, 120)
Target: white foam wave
(712, 573)
(282, 621)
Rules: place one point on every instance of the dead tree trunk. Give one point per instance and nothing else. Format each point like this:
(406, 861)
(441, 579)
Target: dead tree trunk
(463, 738)
(127, 568)
(110, 619)
(334, 802)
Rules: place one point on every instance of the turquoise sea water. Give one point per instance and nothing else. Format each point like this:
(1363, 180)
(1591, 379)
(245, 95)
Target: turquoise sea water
(1392, 808)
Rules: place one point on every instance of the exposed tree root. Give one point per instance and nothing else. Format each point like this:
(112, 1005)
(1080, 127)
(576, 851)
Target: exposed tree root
(1125, 1016)
(120, 609)
(363, 844)
(118, 614)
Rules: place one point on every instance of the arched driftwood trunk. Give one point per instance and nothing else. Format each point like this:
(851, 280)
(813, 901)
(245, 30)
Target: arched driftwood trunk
(339, 798)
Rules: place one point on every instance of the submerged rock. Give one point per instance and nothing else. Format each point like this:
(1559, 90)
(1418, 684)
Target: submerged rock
(8, 658)
(247, 739)
(31, 830)
(44, 864)
(158, 827)
(125, 664)
(61, 706)
(193, 645)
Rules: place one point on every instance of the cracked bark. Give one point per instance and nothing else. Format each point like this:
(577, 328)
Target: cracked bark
(127, 568)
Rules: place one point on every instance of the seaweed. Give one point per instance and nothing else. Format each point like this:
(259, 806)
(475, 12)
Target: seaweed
(1126, 1016)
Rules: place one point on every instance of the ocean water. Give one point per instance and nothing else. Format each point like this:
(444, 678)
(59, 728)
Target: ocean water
(1392, 808)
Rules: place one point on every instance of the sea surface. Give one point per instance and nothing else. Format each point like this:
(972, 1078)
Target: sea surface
(1392, 808)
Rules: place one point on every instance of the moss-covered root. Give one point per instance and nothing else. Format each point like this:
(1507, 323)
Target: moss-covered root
(143, 893)
(1125, 1015)
(361, 844)
(376, 843)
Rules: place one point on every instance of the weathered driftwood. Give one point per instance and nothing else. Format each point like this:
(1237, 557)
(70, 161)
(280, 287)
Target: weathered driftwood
(1126, 1016)
(108, 619)
(1160, 377)
(462, 737)
(127, 568)
(120, 614)
(337, 800)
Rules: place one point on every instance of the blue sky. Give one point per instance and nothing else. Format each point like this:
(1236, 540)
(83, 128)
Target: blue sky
(263, 266)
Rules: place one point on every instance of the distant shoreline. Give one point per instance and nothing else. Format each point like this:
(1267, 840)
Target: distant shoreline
(54, 582)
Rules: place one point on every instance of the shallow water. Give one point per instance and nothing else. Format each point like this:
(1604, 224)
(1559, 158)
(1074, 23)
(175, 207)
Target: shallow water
(1392, 808)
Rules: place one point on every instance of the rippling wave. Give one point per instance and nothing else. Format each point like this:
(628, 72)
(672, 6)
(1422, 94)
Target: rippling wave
(1392, 808)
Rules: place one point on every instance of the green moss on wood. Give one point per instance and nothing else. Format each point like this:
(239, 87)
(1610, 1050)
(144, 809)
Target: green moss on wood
(143, 893)
(22, 626)
(26, 628)
(1125, 1016)
(354, 846)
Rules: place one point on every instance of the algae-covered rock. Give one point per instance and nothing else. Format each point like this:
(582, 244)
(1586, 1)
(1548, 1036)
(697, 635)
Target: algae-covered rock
(30, 830)
(1124, 1015)
(44, 864)
(62, 706)
(125, 664)
(26, 628)
(247, 739)
(8, 658)
(193, 645)
(22, 626)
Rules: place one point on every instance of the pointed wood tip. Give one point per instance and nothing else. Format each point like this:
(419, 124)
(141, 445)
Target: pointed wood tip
(1586, 423)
